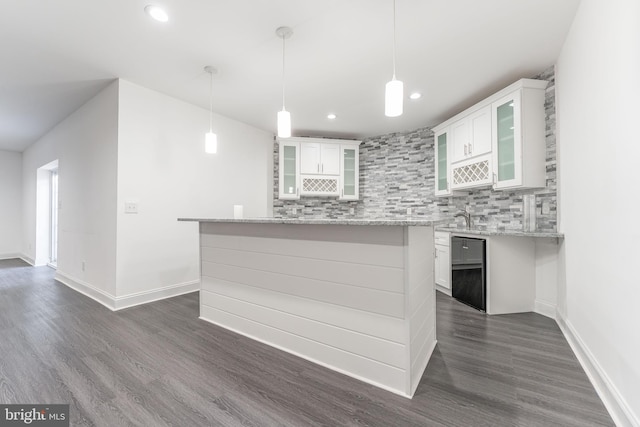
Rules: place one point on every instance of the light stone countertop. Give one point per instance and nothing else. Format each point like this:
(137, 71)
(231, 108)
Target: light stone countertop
(514, 233)
(329, 221)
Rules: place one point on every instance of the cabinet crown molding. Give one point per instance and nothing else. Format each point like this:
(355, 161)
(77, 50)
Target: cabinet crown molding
(319, 140)
(520, 84)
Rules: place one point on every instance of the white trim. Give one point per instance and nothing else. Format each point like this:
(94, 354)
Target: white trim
(10, 256)
(520, 84)
(87, 289)
(28, 260)
(417, 375)
(618, 408)
(443, 290)
(145, 297)
(545, 308)
(311, 359)
(114, 303)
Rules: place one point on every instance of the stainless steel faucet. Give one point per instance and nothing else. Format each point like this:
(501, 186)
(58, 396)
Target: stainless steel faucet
(467, 218)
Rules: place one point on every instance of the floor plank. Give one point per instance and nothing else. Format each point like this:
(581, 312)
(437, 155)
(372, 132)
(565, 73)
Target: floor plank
(159, 365)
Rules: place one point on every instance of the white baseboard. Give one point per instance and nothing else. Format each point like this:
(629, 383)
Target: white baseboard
(417, 375)
(545, 308)
(87, 289)
(27, 259)
(114, 303)
(443, 290)
(145, 297)
(11, 256)
(617, 406)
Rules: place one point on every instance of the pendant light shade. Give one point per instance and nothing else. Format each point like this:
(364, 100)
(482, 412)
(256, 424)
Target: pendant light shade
(284, 117)
(393, 94)
(284, 124)
(210, 143)
(210, 138)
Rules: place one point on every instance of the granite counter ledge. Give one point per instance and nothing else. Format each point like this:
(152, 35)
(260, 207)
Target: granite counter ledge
(327, 221)
(509, 233)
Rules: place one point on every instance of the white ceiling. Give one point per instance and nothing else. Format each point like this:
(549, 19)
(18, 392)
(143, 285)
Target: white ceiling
(58, 54)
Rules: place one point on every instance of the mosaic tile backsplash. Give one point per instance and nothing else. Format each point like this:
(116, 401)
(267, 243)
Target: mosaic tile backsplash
(397, 172)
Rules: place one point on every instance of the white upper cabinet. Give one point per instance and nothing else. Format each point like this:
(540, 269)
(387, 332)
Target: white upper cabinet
(319, 158)
(330, 159)
(325, 167)
(289, 170)
(498, 141)
(519, 146)
(310, 158)
(442, 147)
(471, 136)
(349, 172)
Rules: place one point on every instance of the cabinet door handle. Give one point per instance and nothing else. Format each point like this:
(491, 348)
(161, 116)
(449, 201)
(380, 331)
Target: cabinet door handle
(465, 149)
(297, 191)
(318, 167)
(470, 148)
(495, 178)
(322, 168)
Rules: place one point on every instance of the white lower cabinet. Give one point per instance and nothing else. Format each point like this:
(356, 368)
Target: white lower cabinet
(442, 266)
(510, 272)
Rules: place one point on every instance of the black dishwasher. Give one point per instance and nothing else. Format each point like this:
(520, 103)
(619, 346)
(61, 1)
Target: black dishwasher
(468, 271)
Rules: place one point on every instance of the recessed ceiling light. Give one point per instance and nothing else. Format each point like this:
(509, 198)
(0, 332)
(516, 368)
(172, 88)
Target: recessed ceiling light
(331, 116)
(415, 95)
(156, 13)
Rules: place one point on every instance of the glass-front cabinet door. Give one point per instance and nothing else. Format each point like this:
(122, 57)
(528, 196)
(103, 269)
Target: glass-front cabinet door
(349, 175)
(507, 152)
(289, 176)
(442, 163)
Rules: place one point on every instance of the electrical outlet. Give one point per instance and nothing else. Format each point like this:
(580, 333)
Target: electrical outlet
(294, 211)
(545, 208)
(352, 211)
(408, 211)
(131, 207)
(82, 265)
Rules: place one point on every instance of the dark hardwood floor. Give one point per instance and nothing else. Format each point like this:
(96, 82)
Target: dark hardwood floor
(158, 364)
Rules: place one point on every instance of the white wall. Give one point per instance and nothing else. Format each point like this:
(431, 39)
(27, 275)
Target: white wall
(598, 88)
(85, 143)
(10, 204)
(163, 167)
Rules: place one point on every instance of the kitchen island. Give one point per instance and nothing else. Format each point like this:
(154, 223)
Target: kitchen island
(354, 295)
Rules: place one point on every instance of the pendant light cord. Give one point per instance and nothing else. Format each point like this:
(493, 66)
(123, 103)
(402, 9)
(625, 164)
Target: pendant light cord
(211, 103)
(394, 39)
(283, 41)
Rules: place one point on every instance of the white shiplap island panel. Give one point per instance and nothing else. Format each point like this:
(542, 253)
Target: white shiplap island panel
(356, 298)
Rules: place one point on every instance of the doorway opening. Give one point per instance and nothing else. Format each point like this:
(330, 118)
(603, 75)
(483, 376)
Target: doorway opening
(47, 205)
(53, 226)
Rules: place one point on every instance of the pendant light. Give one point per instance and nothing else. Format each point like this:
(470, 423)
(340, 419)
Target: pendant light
(284, 117)
(211, 139)
(393, 95)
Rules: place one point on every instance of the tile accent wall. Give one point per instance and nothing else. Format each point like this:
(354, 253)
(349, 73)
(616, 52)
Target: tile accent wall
(397, 172)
